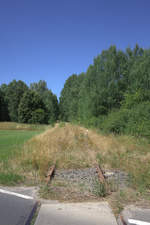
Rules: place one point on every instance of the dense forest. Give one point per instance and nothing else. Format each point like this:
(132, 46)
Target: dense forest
(112, 95)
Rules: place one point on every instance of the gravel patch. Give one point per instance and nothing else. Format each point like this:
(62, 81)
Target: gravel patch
(88, 176)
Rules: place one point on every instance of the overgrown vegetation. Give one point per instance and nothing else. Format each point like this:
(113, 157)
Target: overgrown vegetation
(66, 146)
(10, 178)
(100, 189)
(71, 146)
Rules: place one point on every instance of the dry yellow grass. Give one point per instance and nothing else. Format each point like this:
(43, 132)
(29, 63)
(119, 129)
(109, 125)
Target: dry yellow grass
(72, 146)
(69, 147)
(22, 126)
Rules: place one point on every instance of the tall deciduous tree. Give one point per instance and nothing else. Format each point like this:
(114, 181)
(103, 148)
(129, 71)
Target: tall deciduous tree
(49, 100)
(31, 108)
(2, 107)
(112, 75)
(104, 85)
(69, 98)
(4, 114)
(14, 93)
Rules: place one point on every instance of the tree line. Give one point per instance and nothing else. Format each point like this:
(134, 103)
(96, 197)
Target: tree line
(34, 104)
(112, 95)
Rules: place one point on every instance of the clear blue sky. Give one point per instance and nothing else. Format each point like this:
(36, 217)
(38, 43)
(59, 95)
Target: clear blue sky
(52, 39)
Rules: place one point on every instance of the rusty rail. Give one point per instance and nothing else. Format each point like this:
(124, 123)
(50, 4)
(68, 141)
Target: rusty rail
(100, 174)
(50, 173)
(102, 178)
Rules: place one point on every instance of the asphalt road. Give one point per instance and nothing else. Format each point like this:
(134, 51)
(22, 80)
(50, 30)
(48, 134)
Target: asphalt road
(16, 210)
(135, 215)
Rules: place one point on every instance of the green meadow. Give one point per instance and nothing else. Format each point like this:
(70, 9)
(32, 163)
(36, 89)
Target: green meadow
(12, 138)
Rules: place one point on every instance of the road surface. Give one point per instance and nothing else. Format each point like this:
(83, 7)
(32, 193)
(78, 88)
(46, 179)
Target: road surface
(98, 213)
(16, 209)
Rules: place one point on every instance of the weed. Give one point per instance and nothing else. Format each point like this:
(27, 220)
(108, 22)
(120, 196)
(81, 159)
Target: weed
(100, 159)
(124, 197)
(113, 185)
(100, 189)
(45, 191)
(35, 215)
(10, 178)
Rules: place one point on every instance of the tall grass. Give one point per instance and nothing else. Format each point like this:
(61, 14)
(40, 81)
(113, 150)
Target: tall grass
(66, 146)
(71, 146)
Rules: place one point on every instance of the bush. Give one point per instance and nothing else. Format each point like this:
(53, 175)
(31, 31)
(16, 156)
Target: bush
(115, 122)
(134, 121)
(93, 122)
(139, 176)
(139, 120)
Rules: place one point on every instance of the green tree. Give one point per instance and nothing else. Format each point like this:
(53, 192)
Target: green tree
(51, 105)
(14, 93)
(104, 84)
(40, 87)
(38, 116)
(139, 74)
(49, 99)
(4, 114)
(31, 107)
(69, 97)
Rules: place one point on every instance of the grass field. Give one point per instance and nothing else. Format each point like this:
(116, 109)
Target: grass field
(12, 140)
(13, 136)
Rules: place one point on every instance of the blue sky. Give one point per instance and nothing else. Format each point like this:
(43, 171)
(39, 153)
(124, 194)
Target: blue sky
(52, 39)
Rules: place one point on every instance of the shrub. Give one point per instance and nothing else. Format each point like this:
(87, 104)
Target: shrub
(93, 122)
(116, 121)
(134, 121)
(139, 176)
(139, 120)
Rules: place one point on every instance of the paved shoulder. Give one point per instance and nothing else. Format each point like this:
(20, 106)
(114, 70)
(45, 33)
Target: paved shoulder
(76, 214)
(15, 209)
